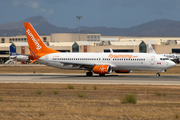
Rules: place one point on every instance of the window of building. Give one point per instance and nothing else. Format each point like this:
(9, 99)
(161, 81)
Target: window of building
(4, 52)
(142, 47)
(2, 40)
(175, 50)
(75, 47)
(44, 39)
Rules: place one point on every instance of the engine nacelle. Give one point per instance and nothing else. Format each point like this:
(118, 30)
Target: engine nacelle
(123, 71)
(102, 69)
(22, 58)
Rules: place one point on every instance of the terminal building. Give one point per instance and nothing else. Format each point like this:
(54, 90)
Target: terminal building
(73, 42)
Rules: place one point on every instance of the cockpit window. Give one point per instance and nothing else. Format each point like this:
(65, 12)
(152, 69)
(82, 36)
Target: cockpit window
(164, 58)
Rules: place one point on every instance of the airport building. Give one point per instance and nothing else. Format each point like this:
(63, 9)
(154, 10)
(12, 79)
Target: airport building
(21, 38)
(72, 42)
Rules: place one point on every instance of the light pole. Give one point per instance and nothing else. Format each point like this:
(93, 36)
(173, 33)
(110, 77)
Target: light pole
(79, 17)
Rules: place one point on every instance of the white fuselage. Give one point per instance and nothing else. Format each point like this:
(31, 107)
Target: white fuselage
(119, 61)
(171, 56)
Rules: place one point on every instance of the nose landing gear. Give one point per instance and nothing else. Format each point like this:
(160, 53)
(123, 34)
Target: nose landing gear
(158, 75)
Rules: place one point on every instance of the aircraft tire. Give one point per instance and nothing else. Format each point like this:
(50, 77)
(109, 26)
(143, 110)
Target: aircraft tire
(89, 74)
(158, 75)
(101, 74)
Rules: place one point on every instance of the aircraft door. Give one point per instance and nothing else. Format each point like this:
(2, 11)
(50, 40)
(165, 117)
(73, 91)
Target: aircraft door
(152, 60)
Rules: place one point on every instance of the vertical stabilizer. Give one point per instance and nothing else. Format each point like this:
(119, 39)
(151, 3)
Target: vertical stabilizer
(13, 51)
(35, 42)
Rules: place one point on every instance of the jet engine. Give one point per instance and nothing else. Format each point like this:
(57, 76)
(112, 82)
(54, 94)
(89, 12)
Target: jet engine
(123, 71)
(20, 58)
(102, 69)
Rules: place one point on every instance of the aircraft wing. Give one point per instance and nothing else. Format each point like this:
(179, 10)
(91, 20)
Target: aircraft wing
(83, 65)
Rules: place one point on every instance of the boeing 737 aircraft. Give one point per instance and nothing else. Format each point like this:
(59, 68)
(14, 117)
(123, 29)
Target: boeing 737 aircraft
(98, 63)
(16, 57)
(170, 56)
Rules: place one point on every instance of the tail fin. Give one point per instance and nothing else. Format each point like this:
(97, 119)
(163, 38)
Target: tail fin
(151, 50)
(13, 51)
(35, 42)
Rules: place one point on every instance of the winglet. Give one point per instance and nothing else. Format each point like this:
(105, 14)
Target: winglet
(151, 50)
(33, 61)
(111, 50)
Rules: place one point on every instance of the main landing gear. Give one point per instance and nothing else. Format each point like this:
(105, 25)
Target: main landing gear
(101, 74)
(89, 73)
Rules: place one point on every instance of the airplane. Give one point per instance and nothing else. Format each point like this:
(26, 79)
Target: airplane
(170, 56)
(17, 57)
(98, 63)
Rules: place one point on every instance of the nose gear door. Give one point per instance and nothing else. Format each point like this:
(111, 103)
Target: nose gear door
(152, 60)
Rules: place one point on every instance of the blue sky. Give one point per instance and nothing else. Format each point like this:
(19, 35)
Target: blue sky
(108, 13)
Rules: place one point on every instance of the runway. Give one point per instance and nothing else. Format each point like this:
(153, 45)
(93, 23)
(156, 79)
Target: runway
(82, 79)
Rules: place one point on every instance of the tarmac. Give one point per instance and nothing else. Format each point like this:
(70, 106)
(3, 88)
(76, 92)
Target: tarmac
(95, 79)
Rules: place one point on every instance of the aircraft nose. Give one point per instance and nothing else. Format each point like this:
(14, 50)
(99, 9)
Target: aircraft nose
(172, 64)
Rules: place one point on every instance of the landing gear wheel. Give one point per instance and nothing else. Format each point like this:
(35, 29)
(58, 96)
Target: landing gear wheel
(158, 75)
(89, 74)
(101, 74)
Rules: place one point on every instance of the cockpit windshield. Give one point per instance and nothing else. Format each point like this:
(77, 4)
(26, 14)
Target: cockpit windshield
(164, 58)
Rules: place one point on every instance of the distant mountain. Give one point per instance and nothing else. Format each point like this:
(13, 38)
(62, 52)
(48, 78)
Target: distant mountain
(39, 23)
(157, 28)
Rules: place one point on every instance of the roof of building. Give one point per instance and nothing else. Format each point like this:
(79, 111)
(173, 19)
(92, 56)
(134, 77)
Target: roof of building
(82, 42)
(123, 43)
(61, 43)
(151, 42)
(146, 40)
(109, 39)
(5, 44)
(20, 43)
(87, 43)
